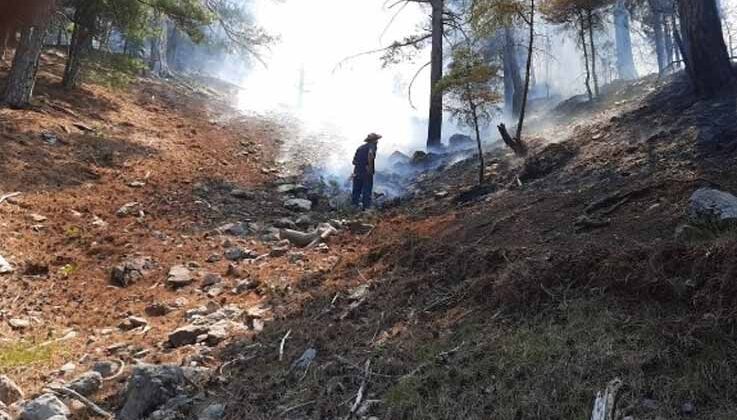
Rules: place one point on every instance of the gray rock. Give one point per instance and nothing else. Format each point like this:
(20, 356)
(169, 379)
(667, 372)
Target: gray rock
(19, 324)
(234, 229)
(87, 384)
(278, 251)
(285, 223)
(712, 206)
(187, 335)
(306, 359)
(150, 387)
(237, 254)
(132, 322)
(9, 391)
(291, 189)
(211, 279)
(179, 276)
(130, 271)
(128, 209)
(304, 221)
(298, 204)
(5, 267)
(246, 285)
(45, 407)
(107, 368)
(461, 142)
(688, 408)
(649, 404)
(243, 194)
(212, 412)
(158, 309)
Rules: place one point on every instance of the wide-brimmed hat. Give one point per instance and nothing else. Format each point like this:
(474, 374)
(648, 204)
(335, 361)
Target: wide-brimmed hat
(373, 137)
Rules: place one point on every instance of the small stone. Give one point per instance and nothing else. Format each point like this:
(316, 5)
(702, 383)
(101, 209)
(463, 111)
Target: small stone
(238, 254)
(186, 335)
(158, 309)
(130, 271)
(214, 258)
(306, 359)
(242, 194)
(234, 229)
(127, 209)
(68, 368)
(278, 251)
(215, 291)
(285, 223)
(688, 408)
(87, 384)
(9, 391)
(244, 286)
(132, 322)
(19, 324)
(106, 368)
(649, 404)
(298, 204)
(38, 218)
(291, 189)
(5, 267)
(304, 221)
(212, 412)
(179, 276)
(211, 279)
(136, 184)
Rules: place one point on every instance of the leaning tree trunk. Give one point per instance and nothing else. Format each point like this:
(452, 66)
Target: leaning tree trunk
(625, 59)
(512, 77)
(590, 18)
(707, 61)
(22, 77)
(582, 36)
(435, 123)
(158, 63)
(528, 72)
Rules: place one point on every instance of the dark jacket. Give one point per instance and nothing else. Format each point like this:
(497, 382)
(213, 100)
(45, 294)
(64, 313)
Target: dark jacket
(364, 158)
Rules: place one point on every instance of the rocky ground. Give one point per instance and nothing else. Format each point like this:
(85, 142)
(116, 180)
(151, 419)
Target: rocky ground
(161, 259)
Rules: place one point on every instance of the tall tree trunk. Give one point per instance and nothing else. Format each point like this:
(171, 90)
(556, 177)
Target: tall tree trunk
(528, 71)
(22, 77)
(582, 36)
(668, 39)
(512, 78)
(660, 49)
(158, 63)
(482, 164)
(435, 123)
(590, 18)
(173, 47)
(625, 59)
(708, 64)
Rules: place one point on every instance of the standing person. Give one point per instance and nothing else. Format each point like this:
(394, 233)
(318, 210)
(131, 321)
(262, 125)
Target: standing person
(363, 171)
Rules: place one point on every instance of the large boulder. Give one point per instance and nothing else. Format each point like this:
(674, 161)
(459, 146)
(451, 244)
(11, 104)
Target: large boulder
(150, 387)
(710, 206)
(44, 407)
(9, 391)
(461, 142)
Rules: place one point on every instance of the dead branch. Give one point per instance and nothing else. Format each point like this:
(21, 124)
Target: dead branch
(70, 393)
(361, 390)
(281, 346)
(7, 196)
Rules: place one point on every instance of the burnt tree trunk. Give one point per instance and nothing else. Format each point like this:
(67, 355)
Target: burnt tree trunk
(590, 18)
(528, 72)
(435, 122)
(582, 37)
(22, 77)
(518, 147)
(707, 61)
(512, 77)
(4, 38)
(482, 164)
(660, 48)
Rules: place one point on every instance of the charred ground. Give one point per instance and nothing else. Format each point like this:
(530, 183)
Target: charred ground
(518, 300)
